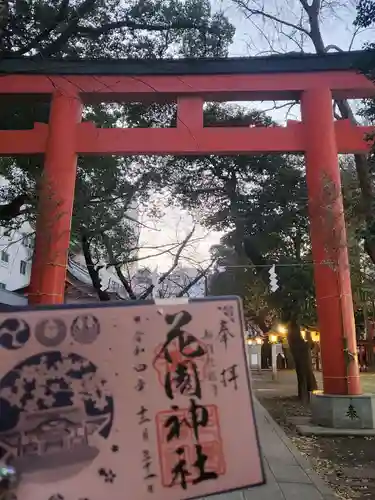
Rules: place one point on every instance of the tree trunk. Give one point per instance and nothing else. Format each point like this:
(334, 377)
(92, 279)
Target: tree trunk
(366, 181)
(266, 354)
(4, 19)
(93, 272)
(301, 353)
(126, 284)
(366, 184)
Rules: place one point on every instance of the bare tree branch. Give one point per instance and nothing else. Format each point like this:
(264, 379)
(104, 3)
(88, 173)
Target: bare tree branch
(356, 32)
(165, 275)
(167, 248)
(145, 257)
(289, 105)
(118, 267)
(93, 269)
(139, 223)
(198, 277)
(266, 37)
(258, 12)
(333, 47)
(293, 39)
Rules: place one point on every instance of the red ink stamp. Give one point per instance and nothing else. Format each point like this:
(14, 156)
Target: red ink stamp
(189, 440)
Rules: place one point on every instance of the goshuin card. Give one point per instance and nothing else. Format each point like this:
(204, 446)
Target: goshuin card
(145, 400)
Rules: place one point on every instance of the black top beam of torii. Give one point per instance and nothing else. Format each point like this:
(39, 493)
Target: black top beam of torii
(288, 63)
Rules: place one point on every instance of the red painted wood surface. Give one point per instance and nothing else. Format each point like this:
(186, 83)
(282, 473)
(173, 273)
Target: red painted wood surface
(343, 84)
(329, 245)
(186, 139)
(56, 198)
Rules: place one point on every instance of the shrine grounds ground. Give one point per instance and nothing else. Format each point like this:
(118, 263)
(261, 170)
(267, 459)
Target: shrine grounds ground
(347, 464)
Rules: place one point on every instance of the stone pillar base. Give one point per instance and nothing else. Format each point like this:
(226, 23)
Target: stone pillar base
(343, 412)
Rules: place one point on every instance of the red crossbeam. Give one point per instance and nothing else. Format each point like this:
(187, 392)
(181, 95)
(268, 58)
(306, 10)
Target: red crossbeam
(344, 84)
(183, 140)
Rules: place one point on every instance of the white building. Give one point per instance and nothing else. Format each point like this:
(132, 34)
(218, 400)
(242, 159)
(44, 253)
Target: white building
(16, 250)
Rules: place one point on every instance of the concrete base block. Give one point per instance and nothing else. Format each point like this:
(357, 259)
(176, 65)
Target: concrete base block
(318, 430)
(343, 412)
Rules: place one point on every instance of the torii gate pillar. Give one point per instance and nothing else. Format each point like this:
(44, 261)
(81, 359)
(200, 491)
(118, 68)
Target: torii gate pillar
(56, 198)
(329, 246)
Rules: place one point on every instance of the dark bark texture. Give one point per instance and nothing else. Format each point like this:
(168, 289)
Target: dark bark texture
(301, 352)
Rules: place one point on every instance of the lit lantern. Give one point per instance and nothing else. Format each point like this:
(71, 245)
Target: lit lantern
(282, 329)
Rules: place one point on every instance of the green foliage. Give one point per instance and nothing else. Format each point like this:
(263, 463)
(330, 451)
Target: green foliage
(235, 276)
(208, 184)
(106, 186)
(296, 295)
(365, 13)
(260, 199)
(365, 19)
(276, 231)
(112, 28)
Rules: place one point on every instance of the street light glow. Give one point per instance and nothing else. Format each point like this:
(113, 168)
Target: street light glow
(282, 329)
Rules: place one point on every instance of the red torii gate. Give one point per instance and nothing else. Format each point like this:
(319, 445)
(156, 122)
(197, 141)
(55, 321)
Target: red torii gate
(315, 80)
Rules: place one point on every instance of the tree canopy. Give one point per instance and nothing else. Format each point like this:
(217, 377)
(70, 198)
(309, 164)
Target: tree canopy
(365, 19)
(112, 28)
(260, 203)
(106, 186)
(365, 13)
